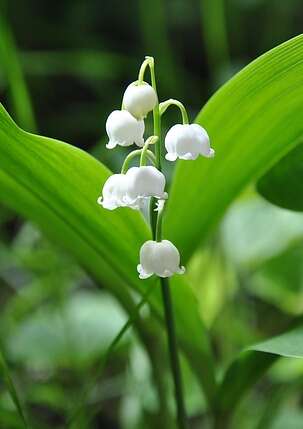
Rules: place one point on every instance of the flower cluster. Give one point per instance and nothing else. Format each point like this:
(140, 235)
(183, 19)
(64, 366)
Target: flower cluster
(135, 186)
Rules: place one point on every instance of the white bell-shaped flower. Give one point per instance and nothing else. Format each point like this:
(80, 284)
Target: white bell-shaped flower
(144, 182)
(114, 192)
(133, 188)
(187, 142)
(123, 129)
(139, 99)
(160, 258)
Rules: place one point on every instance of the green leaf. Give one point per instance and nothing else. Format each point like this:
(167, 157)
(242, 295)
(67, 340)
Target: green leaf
(251, 364)
(66, 335)
(14, 75)
(57, 186)
(240, 376)
(4, 372)
(289, 344)
(279, 280)
(253, 121)
(282, 184)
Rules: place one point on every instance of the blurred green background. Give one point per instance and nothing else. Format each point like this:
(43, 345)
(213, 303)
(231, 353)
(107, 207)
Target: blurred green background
(63, 68)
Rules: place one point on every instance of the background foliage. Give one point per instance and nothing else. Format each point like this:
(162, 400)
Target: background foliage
(67, 274)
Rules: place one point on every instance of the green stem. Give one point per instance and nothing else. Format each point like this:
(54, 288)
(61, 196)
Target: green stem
(149, 61)
(173, 352)
(133, 155)
(158, 234)
(146, 63)
(144, 151)
(156, 225)
(157, 132)
(171, 102)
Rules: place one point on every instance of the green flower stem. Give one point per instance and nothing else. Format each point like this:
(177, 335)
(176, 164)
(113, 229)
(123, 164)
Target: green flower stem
(160, 210)
(148, 62)
(156, 225)
(144, 151)
(171, 102)
(173, 352)
(133, 155)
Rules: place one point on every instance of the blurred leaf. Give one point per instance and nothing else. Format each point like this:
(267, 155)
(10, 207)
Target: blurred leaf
(290, 419)
(282, 185)
(72, 335)
(253, 120)
(85, 64)
(153, 15)
(251, 364)
(289, 344)
(213, 281)
(111, 346)
(215, 35)
(57, 186)
(280, 280)
(4, 371)
(13, 72)
(254, 231)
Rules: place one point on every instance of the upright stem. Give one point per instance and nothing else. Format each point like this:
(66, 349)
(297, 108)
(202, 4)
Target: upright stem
(173, 352)
(156, 223)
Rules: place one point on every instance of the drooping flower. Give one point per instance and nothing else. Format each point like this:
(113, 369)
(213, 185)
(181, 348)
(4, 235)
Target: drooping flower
(139, 99)
(160, 258)
(133, 188)
(144, 182)
(114, 192)
(124, 130)
(187, 142)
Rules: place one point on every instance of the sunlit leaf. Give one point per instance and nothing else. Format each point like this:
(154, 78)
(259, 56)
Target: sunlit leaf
(253, 121)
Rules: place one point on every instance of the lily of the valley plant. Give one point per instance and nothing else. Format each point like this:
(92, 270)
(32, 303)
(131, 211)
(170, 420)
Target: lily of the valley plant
(136, 187)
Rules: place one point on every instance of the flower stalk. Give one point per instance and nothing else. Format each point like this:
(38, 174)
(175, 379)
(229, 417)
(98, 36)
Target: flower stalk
(146, 153)
(172, 102)
(135, 186)
(173, 353)
(135, 153)
(156, 225)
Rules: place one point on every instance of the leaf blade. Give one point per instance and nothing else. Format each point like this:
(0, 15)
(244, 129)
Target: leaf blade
(268, 94)
(281, 184)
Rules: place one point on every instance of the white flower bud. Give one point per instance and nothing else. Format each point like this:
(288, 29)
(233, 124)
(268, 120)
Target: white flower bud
(139, 99)
(123, 129)
(132, 189)
(187, 142)
(144, 182)
(160, 258)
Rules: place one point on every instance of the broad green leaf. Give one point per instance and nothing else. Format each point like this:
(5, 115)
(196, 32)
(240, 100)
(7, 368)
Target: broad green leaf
(253, 362)
(253, 120)
(57, 186)
(289, 344)
(282, 184)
